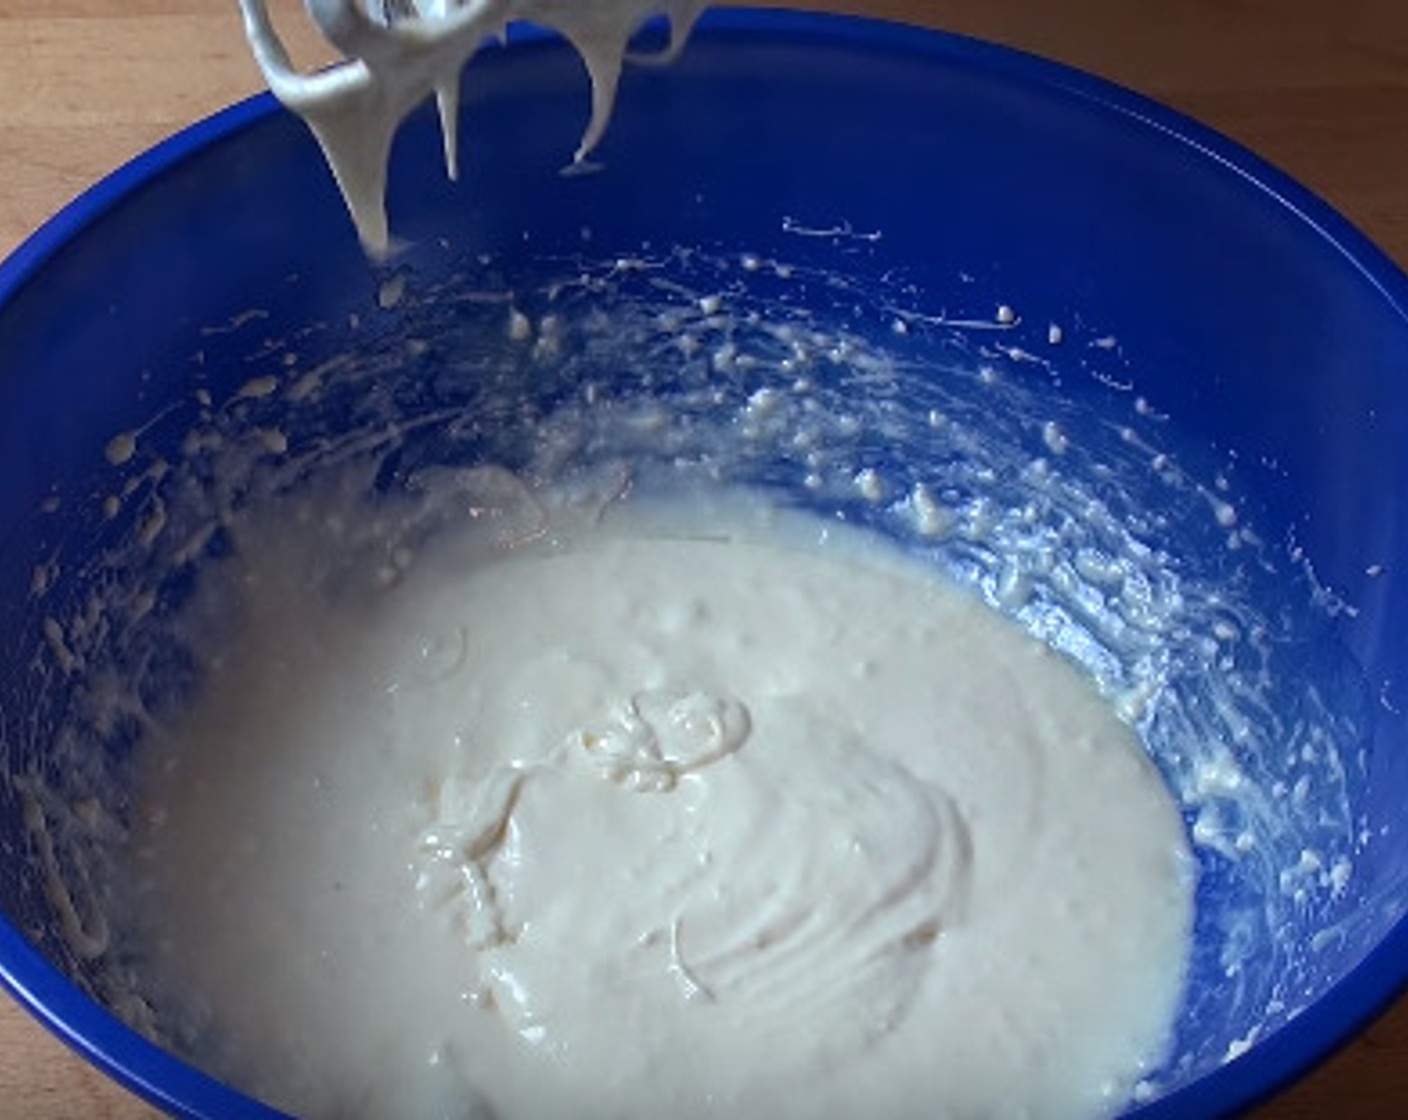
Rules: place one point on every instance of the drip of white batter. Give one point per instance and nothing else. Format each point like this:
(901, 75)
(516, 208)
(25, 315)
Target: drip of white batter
(672, 815)
(412, 50)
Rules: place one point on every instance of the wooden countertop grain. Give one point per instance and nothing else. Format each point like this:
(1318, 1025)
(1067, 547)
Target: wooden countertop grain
(1319, 88)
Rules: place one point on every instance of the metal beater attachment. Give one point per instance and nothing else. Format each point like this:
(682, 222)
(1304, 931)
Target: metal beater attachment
(398, 53)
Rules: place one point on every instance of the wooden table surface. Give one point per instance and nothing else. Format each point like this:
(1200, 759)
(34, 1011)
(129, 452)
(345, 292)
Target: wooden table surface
(1319, 87)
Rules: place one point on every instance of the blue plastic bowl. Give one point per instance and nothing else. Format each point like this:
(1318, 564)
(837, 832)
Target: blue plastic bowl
(863, 175)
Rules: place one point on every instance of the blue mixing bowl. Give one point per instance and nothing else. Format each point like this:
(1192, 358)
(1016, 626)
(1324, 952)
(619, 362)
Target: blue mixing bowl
(969, 240)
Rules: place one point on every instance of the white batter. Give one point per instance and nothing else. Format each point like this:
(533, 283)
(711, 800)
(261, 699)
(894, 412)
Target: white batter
(678, 815)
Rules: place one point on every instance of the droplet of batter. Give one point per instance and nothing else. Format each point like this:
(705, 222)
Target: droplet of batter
(930, 518)
(257, 388)
(391, 291)
(121, 448)
(870, 485)
(520, 327)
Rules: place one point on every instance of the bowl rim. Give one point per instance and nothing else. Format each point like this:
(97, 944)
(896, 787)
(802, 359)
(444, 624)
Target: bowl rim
(1272, 1063)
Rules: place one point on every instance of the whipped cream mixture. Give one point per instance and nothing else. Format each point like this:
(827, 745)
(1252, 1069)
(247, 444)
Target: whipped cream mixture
(693, 809)
(400, 53)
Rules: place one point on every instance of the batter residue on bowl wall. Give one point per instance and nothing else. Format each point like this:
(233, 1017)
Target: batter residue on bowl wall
(362, 488)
